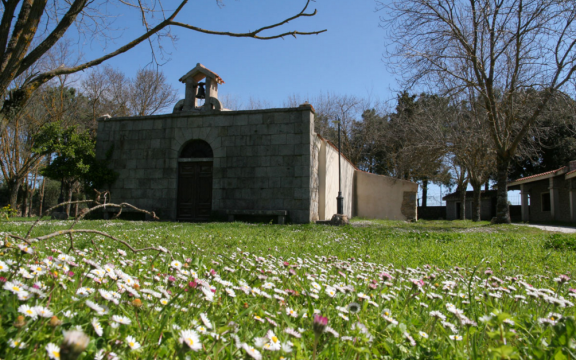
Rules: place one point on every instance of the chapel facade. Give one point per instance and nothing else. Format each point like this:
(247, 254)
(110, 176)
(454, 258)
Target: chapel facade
(204, 162)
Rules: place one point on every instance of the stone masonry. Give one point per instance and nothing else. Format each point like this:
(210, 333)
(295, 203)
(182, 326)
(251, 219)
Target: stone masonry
(263, 159)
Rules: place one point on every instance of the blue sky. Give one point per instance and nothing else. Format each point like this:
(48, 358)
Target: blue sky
(347, 59)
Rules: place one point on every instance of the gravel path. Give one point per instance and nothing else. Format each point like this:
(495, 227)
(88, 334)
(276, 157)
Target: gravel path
(562, 229)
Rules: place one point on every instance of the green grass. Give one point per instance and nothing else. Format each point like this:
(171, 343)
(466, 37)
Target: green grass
(477, 268)
(515, 248)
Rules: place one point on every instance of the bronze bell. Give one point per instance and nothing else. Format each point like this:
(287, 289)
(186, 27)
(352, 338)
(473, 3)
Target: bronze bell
(201, 91)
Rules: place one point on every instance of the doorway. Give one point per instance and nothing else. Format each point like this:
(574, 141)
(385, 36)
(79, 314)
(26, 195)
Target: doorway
(195, 164)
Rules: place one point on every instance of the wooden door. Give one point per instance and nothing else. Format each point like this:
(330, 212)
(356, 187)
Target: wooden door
(194, 191)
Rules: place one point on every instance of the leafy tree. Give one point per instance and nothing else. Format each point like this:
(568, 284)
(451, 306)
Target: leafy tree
(74, 161)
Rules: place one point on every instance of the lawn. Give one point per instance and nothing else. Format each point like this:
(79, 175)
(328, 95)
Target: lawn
(377, 289)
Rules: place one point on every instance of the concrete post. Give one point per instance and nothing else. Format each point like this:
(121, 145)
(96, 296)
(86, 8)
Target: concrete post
(554, 200)
(524, 202)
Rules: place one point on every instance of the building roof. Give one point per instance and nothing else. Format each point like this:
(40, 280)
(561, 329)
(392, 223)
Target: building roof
(538, 177)
(570, 174)
(200, 72)
(483, 195)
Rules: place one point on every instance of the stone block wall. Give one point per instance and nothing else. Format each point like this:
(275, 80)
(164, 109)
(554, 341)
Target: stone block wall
(263, 159)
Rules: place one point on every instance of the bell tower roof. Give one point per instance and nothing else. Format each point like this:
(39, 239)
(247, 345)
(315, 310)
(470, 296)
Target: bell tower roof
(200, 72)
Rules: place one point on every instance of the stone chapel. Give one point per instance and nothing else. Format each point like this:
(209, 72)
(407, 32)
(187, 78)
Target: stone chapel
(204, 162)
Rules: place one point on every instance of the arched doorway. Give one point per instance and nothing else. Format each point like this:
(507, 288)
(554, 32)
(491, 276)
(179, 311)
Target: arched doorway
(195, 181)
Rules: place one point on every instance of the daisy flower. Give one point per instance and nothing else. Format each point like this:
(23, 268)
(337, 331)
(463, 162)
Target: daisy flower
(130, 341)
(28, 311)
(53, 351)
(25, 248)
(293, 332)
(291, 312)
(205, 320)
(43, 312)
(201, 329)
(14, 288)
(176, 264)
(97, 327)
(438, 314)
(273, 343)
(455, 337)
(16, 344)
(330, 291)
(191, 339)
(255, 354)
(122, 319)
(423, 334)
(23, 295)
(4, 267)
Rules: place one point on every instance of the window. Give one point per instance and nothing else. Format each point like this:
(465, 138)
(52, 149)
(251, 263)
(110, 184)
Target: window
(546, 202)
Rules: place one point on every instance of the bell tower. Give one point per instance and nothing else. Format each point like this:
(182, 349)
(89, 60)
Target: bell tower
(197, 89)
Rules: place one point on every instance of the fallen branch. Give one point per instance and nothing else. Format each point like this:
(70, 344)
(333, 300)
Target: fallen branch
(71, 231)
(86, 231)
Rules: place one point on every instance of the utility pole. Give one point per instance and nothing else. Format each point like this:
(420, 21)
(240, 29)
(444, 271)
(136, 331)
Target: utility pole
(339, 199)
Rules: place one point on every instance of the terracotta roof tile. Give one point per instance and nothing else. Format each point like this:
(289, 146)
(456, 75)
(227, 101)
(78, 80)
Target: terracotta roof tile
(538, 175)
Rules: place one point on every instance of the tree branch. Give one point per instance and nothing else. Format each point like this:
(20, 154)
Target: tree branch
(54, 36)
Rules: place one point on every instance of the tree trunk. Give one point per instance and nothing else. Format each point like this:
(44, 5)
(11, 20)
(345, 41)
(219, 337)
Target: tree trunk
(502, 211)
(14, 188)
(24, 207)
(41, 200)
(487, 186)
(424, 192)
(462, 198)
(76, 205)
(32, 191)
(476, 200)
(70, 188)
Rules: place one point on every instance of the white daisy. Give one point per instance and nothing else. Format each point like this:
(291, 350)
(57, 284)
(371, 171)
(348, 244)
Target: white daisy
(130, 341)
(191, 339)
(122, 319)
(97, 327)
(53, 351)
(28, 311)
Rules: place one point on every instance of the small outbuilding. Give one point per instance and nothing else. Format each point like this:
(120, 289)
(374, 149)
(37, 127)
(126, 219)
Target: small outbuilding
(204, 161)
(549, 196)
(487, 205)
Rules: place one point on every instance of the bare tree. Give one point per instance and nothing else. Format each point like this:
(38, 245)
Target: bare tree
(469, 142)
(107, 91)
(150, 93)
(29, 29)
(499, 49)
